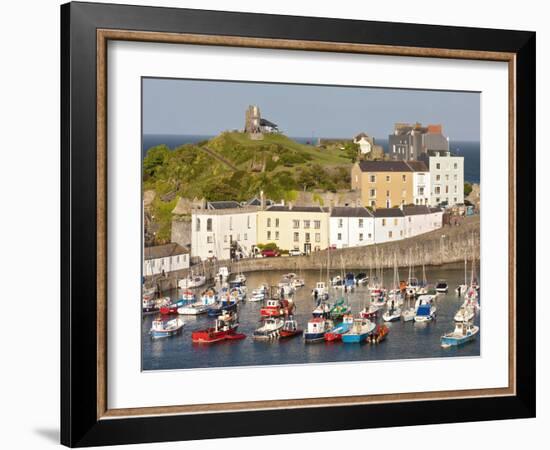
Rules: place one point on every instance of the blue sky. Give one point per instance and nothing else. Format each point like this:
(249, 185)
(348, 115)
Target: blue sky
(202, 107)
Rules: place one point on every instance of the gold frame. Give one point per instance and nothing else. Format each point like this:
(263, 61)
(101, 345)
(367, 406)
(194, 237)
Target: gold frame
(103, 36)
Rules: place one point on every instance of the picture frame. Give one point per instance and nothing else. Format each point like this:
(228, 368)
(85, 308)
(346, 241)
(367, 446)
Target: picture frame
(86, 28)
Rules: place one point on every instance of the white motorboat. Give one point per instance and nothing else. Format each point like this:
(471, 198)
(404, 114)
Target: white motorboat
(270, 329)
(464, 332)
(464, 314)
(192, 281)
(425, 308)
(223, 274)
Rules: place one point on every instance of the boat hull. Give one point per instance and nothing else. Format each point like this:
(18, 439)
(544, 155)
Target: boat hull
(354, 338)
(285, 334)
(210, 336)
(314, 337)
(450, 341)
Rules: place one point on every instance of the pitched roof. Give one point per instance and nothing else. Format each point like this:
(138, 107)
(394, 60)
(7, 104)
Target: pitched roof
(281, 208)
(257, 202)
(267, 123)
(223, 205)
(435, 209)
(162, 251)
(418, 166)
(348, 211)
(414, 210)
(388, 212)
(392, 166)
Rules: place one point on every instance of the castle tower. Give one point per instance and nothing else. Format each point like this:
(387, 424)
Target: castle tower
(252, 120)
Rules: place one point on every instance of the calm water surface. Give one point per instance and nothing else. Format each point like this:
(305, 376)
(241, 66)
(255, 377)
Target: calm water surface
(405, 340)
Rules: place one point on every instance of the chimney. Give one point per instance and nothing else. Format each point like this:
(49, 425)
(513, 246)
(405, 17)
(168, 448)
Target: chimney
(290, 206)
(262, 200)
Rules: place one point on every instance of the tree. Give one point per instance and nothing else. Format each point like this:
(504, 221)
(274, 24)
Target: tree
(467, 188)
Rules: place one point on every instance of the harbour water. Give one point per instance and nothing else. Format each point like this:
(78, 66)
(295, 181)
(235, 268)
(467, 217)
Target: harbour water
(405, 341)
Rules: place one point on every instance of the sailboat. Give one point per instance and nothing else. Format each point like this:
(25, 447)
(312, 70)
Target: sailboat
(393, 311)
(462, 288)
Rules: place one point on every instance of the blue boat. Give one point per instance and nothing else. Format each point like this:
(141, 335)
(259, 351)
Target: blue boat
(425, 308)
(316, 329)
(359, 332)
(165, 328)
(463, 332)
(227, 304)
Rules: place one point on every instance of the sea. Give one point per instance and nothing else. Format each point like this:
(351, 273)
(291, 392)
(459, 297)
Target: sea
(469, 149)
(406, 340)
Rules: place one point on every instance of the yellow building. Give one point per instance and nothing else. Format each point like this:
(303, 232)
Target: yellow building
(385, 184)
(303, 228)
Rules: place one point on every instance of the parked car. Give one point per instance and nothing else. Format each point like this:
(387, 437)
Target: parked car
(295, 252)
(267, 253)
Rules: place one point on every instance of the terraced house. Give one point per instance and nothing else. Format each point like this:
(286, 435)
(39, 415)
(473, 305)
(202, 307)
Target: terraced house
(304, 228)
(386, 184)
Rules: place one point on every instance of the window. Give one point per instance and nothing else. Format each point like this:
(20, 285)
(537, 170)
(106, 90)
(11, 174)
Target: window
(372, 203)
(339, 236)
(456, 166)
(390, 234)
(268, 235)
(388, 178)
(198, 225)
(455, 177)
(295, 224)
(277, 222)
(447, 177)
(404, 193)
(340, 223)
(369, 235)
(400, 232)
(395, 221)
(372, 178)
(246, 237)
(387, 194)
(409, 219)
(446, 189)
(225, 238)
(383, 222)
(307, 223)
(209, 239)
(269, 221)
(248, 222)
(455, 189)
(317, 237)
(404, 177)
(308, 237)
(209, 225)
(438, 166)
(177, 259)
(317, 224)
(372, 192)
(437, 190)
(230, 223)
(360, 223)
(296, 237)
(437, 177)
(360, 236)
(437, 200)
(276, 235)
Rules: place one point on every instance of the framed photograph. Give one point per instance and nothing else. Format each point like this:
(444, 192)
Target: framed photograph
(289, 224)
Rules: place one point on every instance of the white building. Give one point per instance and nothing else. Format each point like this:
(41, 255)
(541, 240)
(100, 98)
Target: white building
(421, 183)
(419, 219)
(389, 225)
(446, 178)
(351, 227)
(223, 231)
(164, 258)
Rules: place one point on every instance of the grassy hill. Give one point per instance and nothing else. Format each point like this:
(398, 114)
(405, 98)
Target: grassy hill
(232, 166)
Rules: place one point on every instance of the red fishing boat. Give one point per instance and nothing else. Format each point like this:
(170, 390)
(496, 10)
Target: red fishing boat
(290, 329)
(277, 308)
(225, 328)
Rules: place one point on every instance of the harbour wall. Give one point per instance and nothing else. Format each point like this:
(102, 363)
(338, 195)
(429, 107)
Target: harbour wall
(447, 245)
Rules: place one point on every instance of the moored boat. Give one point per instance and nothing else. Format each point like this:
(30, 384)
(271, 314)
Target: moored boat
(270, 328)
(463, 332)
(379, 334)
(225, 328)
(276, 308)
(320, 291)
(290, 329)
(339, 310)
(316, 329)
(322, 309)
(335, 333)
(425, 308)
(192, 281)
(441, 286)
(165, 328)
(361, 278)
(359, 331)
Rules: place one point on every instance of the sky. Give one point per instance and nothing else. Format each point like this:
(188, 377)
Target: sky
(202, 107)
